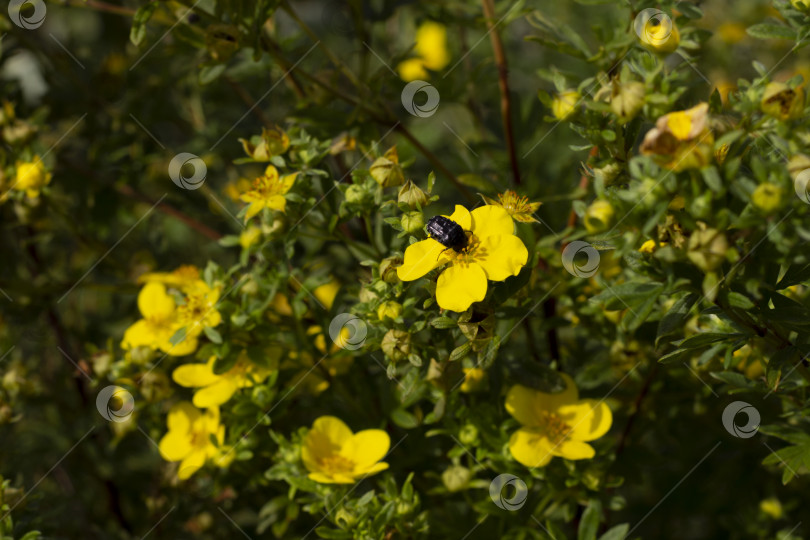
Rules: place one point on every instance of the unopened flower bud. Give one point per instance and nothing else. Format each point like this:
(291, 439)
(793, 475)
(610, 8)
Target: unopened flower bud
(707, 248)
(396, 344)
(412, 195)
(413, 222)
(767, 198)
(598, 217)
(627, 100)
(782, 102)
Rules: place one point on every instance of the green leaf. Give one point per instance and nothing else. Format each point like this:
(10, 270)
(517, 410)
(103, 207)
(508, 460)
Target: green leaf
(706, 338)
(676, 317)
(460, 352)
(443, 322)
(139, 20)
(619, 532)
(212, 334)
(771, 31)
(589, 524)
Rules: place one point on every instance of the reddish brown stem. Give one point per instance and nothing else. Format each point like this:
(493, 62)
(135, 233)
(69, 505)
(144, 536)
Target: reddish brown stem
(503, 84)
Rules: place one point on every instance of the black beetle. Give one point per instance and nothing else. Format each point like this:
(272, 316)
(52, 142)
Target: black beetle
(448, 233)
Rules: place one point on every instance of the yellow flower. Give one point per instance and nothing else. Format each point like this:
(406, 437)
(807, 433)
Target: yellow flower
(273, 142)
(214, 390)
(199, 310)
(555, 424)
(431, 51)
(650, 245)
(389, 309)
(564, 104)
(493, 253)
(772, 507)
(681, 139)
(518, 207)
(268, 191)
(159, 323)
(326, 293)
(782, 102)
(181, 277)
(189, 438)
(767, 198)
(334, 455)
(599, 216)
(474, 380)
(31, 177)
(660, 34)
(249, 236)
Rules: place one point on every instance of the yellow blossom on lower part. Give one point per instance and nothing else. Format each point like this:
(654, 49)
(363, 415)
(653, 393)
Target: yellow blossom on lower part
(474, 380)
(158, 325)
(250, 236)
(564, 104)
(555, 424)
(650, 245)
(31, 177)
(334, 455)
(493, 253)
(326, 293)
(518, 207)
(181, 277)
(267, 191)
(214, 390)
(189, 438)
(390, 309)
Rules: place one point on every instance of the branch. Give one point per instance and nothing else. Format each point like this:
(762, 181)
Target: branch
(503, 83)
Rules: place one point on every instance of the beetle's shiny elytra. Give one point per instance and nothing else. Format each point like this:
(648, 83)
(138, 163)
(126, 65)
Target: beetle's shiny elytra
(447, 232)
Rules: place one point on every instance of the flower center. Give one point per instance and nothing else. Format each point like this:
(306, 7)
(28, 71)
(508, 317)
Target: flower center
(555, 428)
(470, 253)
(337, 464)
(513, 203)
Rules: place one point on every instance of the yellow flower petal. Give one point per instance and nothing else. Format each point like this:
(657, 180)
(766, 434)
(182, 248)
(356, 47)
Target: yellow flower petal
(287, 182)
(141, 333)
(254, 208)
(571, 449)
(373, 469)
(272, 173)
(187, 346)
(526, 404)
(181, 416)
(191, 464)
(276, 202)
(491, 220)
(431, 45)
(326, 293)
(420, 258)
(588, 419)
(461, 285)
(154, 302)
(412, 69)
(195, 375)
(333, 428)
(366, 447)
(501, 256)
(530, 448)
(462, 216)
(175, 445)
(215, 394)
